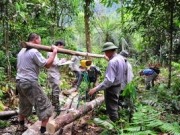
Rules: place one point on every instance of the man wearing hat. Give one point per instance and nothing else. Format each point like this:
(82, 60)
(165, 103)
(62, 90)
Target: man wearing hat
(129, 75)
(54, 77)
(111, 85)
(129, 72)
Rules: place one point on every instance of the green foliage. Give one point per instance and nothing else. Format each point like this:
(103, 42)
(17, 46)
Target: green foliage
(43, 78)
(130, 91)
(1, 106)
(147, 120)
(2, 74)
(4, 124)
(104, 123)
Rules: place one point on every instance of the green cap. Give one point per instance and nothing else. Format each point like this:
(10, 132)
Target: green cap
(109, 46)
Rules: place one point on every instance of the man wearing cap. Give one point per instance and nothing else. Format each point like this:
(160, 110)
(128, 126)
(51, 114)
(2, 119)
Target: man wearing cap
(129, 72)
(115, 72)
(129, 75)
(54, 77)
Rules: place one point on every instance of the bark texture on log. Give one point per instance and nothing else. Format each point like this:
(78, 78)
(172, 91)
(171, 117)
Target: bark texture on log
(34, 129)
(67, 130)
(60, 50)
(65, 119)
(8, 113)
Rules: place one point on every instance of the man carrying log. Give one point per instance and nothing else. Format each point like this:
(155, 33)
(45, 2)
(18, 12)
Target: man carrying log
(54, 77)
(114, 77)
(29, 61)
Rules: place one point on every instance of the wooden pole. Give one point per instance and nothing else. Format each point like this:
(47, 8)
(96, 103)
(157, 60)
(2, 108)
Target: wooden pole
(60, 50)
(62, 120)
(8, 113)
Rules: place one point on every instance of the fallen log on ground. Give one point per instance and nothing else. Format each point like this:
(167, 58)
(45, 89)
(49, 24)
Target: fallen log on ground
(62, 120)
(8, 113)
(69, 101)
(60, 50)
(34, 129)
(67, 130)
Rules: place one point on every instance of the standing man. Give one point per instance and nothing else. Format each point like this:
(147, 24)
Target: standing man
(76, 69)
(111, 85)
(29, 61)
(130, 74)
(54, 77)
(128, 78)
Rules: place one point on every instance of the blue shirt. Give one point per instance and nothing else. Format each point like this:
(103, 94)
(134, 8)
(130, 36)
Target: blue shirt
(148, 72)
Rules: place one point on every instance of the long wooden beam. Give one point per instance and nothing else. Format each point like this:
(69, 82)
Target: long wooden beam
(60, 50)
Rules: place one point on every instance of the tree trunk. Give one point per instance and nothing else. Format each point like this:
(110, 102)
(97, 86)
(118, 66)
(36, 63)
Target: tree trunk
(60, 50)
(8, 113)
(34, 129)
(6, 39)
(63, 120)
(87, 14)
(171, 5)
(67, 130)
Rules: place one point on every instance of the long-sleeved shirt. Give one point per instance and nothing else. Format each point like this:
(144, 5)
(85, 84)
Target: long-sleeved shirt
(76, 62)
(115, 72)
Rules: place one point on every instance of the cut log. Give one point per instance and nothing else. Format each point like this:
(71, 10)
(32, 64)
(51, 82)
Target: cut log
(62, 120)
(8, 113)
(60, 50)
(68, 92)
(69, 101)
(34, 129)
(67, 130)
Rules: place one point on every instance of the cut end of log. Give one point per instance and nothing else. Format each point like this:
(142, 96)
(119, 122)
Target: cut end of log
(51, 127)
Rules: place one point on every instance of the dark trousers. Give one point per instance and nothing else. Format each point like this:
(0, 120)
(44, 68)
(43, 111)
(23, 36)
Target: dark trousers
(79, 78)
(111, 100)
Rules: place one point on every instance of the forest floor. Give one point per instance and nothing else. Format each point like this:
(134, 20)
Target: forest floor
(83, 126)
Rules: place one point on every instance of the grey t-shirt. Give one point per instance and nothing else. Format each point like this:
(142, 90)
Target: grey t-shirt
(28, 64)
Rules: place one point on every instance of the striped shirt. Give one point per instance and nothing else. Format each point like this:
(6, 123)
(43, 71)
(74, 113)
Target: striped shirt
(115, 73)
(28, 64)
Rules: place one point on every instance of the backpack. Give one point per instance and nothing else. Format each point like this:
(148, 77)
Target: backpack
(157, 70)
(93, 73)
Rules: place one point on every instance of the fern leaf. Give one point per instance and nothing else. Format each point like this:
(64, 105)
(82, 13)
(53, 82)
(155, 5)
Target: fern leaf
(104, 123)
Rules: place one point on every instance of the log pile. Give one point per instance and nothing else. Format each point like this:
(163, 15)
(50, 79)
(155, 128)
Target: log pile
(65, 119)
(63, 123)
